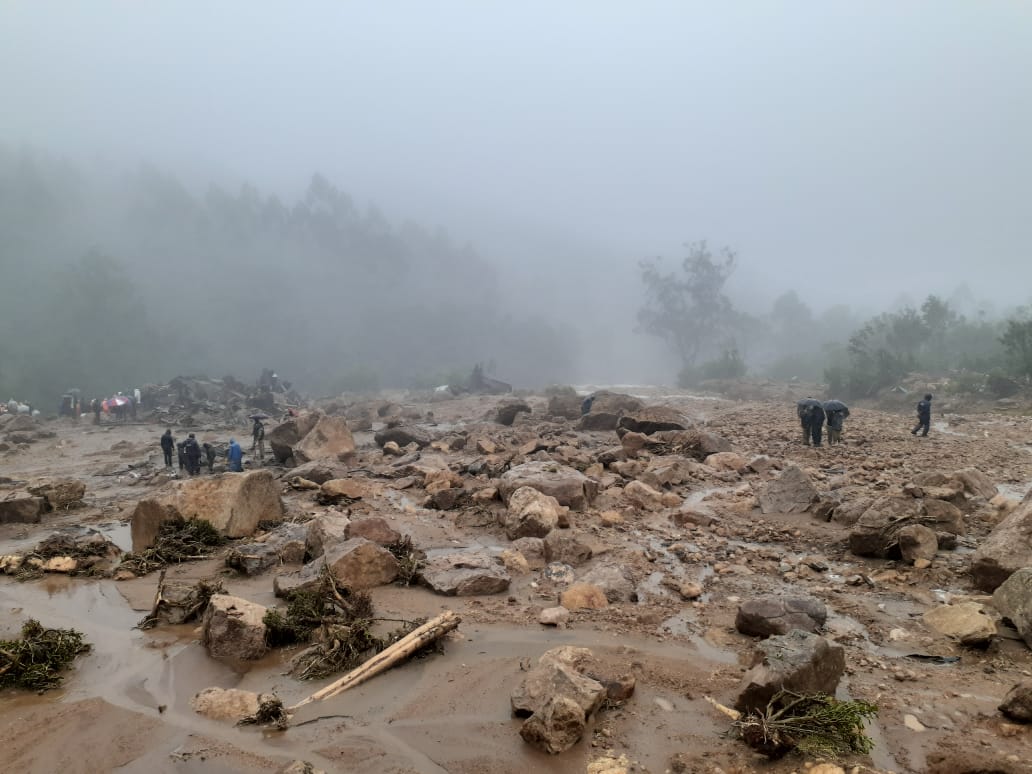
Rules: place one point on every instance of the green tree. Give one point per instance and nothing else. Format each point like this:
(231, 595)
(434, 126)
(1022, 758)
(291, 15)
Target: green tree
(689, 309)
(1017, 341)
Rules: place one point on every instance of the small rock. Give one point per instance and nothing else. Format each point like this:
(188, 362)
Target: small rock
(621, 689)
(1017, 704)
(554, 616)
(691, 590)
(768, 615)
(225, 703)
(913, 723)
(664, 704)
(583, 596)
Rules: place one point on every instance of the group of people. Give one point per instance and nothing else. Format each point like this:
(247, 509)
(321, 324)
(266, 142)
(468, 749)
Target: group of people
(190, 453)
(812, 414)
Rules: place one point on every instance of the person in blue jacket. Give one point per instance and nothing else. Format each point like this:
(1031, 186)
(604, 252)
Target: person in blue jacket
(924, 415)
(235, 455)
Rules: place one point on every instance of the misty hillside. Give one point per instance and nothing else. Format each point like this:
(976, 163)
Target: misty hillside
(119, 279)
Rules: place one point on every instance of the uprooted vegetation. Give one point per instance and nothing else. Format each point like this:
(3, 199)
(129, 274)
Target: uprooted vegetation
(410, 560)
(87, 553)
(338, 621)
(816, 725)
(180, 540)
(177, 603)
(35, 660)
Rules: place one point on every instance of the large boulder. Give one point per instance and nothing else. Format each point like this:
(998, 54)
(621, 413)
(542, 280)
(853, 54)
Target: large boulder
(329, 439)
(791, 492)
(375, 529)
(800, 662)
(567, 485)
(285, 436)
(606, 410)
(530, 514)
(771, 615)
(232, 503)
(60, 494)
(654, 419)
(1017, 704)
(966, 622)
(21, 508)
(464, 575)
(361, 564)
(1013, 600)
(318, 471)
(1007, 549)
(916, 541)
(233, 628)
(284, 545)
(507, 412)
(403, 435)
(324, 531)
(877, 531)
(558, 699)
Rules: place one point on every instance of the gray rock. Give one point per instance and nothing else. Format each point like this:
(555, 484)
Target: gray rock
(533, 550)
(1013, 601)
(916, 541)
(877, 531)
(654, 419)
(284, 545)
(403, 435)
(798, 661)
(567, 485)
(233, 628)
(1007, 549)
(1017, 704)
(22, 509)
(791, 492)
(308, 578)
(771, 615)
(318, 471)
(507, 412)
(964, 621)
(464, 575)
(613, 581)
(325, 531)
(375, 529)
(530, 514)
(567, 546)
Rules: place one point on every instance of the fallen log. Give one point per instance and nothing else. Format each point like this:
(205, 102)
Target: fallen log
(384, 660)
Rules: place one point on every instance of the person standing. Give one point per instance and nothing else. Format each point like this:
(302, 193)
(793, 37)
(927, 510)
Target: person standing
(96, 405)
(235, 457)
(181, 453)
(836, 411)
(209, 454)
(811, 417)
(193, 455)
(258, 438)
(924, 415)
(168, 443)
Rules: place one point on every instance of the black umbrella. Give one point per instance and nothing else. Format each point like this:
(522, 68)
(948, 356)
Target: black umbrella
(835, 405)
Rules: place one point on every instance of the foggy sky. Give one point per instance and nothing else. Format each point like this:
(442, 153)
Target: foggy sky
(854, 151)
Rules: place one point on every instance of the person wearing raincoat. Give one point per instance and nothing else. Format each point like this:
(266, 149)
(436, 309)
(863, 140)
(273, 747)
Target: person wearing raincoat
(836, 411)
(811, 416)
(235, 456)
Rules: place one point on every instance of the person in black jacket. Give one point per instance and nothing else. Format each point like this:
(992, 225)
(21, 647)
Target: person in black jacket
(924, 415)
(836, 411)
(192, 450)
(811, 417)
(168, 443)
(209, 454)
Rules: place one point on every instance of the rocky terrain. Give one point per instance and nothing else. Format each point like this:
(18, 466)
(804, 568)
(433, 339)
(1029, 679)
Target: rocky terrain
(613, 572)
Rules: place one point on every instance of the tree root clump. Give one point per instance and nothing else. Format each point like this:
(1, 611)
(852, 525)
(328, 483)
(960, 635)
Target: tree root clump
(36, 660)
(818, 725)
(410, 560)
(271, 712)
(178, 541)
(338, 620)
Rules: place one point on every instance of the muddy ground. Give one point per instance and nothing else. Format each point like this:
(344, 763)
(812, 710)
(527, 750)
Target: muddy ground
(126, 705)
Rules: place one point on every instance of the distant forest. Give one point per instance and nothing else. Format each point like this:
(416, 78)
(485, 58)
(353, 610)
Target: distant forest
(110, 281)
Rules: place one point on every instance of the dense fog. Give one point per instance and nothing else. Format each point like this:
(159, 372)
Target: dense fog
(385, 195)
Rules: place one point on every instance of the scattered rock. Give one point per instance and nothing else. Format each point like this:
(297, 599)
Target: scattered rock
(581, 596)
(233, 503)
(567, 546)
(1013, 601)
(533, 550)
(325, 530)
(286, 435)
(464, 575)
(530, 514)
(690, 590)
(964, 621)
(798, 661)
(770, 615)
(375, 529)
(613, 580)
(507, 412)
(653, 419)
(318, 471)
(791, 492)
(1007, 549)
(22, 509)
(233, 628)
(727, 461)
(284, 545)
(59, 494)
(567, 485)
(329, 439)
(1017, 704)
(917, 541)
(361, 564)
(225, 703)
(403, 435)
(644, 496)
(554, 616)
(342, 490)
(877, 531)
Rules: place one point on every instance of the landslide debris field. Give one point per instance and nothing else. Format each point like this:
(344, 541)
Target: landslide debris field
(612, 572)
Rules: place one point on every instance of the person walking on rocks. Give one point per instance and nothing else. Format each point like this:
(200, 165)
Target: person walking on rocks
(258, 438)
(193, 455)
(836, 411)
(811, 417)
(235, 456)
(924, 415)
(168, 443)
